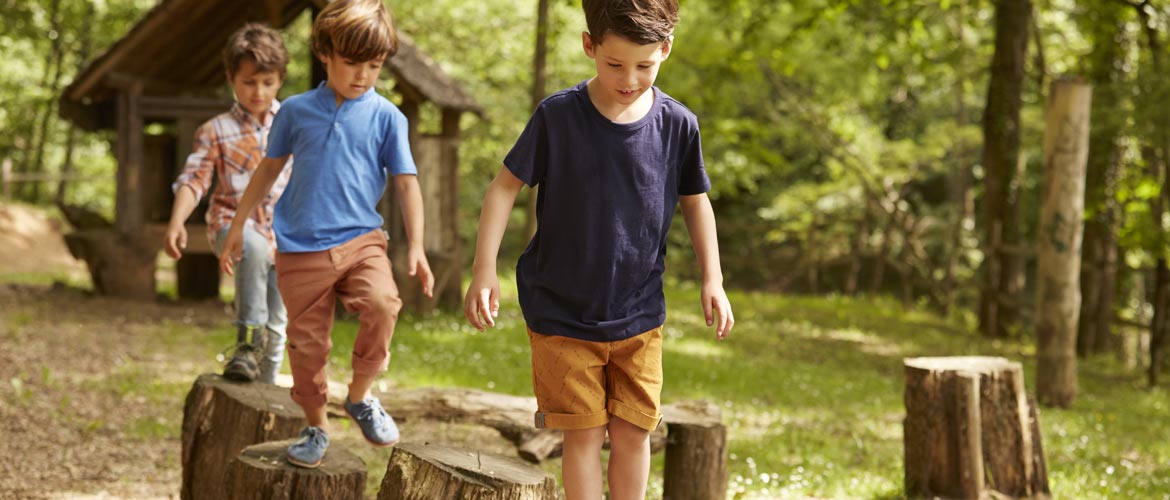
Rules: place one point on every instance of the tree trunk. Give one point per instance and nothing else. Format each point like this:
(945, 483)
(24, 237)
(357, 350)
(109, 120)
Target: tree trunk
(1159, 325)
(220, 419)
(696, 452)
(1001, 154)
(1099, 258)
(1058, 293)
(434, 472)
(539, 77)
(262, 472)
(968, 431)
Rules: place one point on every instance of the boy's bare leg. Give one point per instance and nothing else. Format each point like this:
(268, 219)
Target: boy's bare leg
(360, 387)
(629, 460)
(581, 463)
(317, 417)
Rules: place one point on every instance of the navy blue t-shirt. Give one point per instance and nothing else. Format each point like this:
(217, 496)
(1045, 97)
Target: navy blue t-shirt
(608, 192)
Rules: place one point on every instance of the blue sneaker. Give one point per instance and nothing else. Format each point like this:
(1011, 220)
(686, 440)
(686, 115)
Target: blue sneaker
(377, 427)
(309, 448)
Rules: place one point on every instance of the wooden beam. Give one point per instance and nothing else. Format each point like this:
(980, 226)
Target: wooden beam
(275, 11)
(128, 203)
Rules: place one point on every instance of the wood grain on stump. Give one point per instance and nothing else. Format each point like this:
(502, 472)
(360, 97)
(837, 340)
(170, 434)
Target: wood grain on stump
(220, 419)
(434, 472)
(262, 473)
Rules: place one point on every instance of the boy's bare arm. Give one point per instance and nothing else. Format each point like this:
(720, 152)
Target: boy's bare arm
(482, 303)
(410, 200)
(700, 219)
(258, 188)
(175, 239)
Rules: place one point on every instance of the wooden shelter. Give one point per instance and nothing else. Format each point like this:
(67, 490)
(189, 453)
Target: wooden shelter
(166, 71)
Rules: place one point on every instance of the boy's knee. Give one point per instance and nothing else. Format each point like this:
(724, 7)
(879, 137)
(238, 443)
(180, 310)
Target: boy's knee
(386, 304)
(625, 432)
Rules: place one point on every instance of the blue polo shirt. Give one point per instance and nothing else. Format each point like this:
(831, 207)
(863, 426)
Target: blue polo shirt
(343, 154)
(608, 192)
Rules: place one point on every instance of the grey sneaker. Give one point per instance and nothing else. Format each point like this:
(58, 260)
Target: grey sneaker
(309, 448)
(242, 367)
(377, 427)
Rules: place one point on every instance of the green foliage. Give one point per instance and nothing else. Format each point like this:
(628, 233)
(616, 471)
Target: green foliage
(811, 391)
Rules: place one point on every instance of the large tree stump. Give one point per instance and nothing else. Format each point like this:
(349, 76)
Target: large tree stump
(220, 419)
(696, 452)
(261, 472)
(970, 431)
(433, 472)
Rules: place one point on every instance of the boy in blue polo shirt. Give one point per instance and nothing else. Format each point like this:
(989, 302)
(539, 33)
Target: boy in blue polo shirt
(613, 157)
(329, 235)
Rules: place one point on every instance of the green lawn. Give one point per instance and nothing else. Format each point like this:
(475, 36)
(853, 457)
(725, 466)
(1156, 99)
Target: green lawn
(811, 390)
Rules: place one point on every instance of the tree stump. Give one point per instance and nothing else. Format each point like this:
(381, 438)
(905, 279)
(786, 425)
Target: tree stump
(261, 472)
(970, 431)
(220, 419)
(433, 472)
(696, 452)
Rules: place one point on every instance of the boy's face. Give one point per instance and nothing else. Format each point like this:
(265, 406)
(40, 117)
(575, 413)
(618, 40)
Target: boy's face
(625, 70)
(255, 89)
(350, 79)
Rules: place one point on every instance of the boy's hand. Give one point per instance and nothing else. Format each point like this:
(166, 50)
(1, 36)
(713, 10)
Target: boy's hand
(416, 261)
(233, 247)
(482, 303)
(716, 306)
(175, 241)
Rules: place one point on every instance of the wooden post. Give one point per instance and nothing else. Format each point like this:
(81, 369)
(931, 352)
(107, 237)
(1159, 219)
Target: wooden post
(1058, 290)
(261, 471)
(220, 419)
(6, 178)
(970, 431)
(434, 472)
(696, 452)
(128, 203)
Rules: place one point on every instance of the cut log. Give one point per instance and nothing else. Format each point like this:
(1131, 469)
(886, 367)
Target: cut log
(970, 431)
(118, 266)
(261, 472)
(220, 419)
(433, 472)
(696, 452)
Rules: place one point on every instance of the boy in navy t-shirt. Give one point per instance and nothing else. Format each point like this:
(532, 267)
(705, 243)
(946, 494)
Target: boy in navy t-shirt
(613, 157)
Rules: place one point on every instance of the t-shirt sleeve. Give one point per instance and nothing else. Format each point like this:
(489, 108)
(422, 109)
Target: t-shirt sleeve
(693, 176)
(396, 156)
(528, 158)
(280, 138)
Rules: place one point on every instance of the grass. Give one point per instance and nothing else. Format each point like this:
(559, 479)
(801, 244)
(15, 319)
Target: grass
(811, 390)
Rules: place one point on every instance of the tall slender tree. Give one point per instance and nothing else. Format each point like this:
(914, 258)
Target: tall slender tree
(1001, 161)
(539, 91)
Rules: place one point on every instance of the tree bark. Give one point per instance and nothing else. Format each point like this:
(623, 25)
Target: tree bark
(434, 472)
(1058, 293)
(220, 419)
(968, 431)
(1099, 257)
(696, 452)
(262, 472)
(1001, 155)
(539, 90)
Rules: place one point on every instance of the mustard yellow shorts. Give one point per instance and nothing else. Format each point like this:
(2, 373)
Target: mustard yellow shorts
(579, 384)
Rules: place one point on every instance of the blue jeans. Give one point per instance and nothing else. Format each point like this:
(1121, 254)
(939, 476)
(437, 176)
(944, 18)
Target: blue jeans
(258, 302)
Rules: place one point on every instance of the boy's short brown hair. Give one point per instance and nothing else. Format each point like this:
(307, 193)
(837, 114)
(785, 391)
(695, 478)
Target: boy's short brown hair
(257, 43)
(641, 21)
(360, 30)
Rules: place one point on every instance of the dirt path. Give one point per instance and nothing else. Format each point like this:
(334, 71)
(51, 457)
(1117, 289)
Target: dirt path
(85, 393)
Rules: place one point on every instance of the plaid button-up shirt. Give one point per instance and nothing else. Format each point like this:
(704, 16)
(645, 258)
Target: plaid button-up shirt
(229, 147)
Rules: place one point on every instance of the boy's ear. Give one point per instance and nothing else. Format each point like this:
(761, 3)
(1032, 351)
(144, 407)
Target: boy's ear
(228, 74)
(667, 45)
(587, 44)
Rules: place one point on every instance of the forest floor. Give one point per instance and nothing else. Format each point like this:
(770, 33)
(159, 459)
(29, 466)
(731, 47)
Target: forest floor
(91, 388)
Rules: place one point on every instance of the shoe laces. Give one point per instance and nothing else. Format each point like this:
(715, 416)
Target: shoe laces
(240, 346)
(371, 410)
(313, 436)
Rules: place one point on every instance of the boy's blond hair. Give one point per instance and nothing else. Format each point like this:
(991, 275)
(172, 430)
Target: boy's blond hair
(359, 30)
